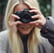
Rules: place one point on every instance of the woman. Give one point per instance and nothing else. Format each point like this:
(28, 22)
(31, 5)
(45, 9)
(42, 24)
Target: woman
(23, 37)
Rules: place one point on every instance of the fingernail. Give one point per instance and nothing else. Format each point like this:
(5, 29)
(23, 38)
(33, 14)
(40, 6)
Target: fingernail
(32, 16)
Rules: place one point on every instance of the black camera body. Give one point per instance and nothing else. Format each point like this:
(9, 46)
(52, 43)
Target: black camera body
(25, 16)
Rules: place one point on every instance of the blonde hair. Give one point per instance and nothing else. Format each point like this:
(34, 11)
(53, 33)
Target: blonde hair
(14, 38)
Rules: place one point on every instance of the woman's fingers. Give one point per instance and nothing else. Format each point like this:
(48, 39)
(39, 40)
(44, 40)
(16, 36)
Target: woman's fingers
(38, 13)
(14, 23)
(33, 8)
(41, 19)
(35, 11)
(12, 20)
(13, 17)
(37, 23)
(36, 16)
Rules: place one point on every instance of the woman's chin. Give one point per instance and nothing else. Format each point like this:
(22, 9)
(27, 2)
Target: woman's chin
(24, 33)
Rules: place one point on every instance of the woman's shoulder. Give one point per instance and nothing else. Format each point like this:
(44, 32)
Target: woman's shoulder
(4, 42)
(4, 34)
(45, 45)
(44, 41)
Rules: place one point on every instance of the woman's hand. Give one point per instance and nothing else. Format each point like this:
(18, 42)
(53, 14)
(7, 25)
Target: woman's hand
(41, 19)
(12, 23)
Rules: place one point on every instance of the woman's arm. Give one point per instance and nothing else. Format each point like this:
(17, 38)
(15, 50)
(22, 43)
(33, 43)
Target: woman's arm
(3, 42)
(48, 30)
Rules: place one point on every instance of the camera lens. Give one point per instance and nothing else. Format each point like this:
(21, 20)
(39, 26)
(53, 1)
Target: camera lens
(26, 18)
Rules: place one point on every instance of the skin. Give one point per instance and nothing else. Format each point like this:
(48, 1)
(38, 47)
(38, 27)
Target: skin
(23, 28)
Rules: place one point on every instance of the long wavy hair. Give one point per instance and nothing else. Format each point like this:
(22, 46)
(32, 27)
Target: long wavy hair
(14, 38)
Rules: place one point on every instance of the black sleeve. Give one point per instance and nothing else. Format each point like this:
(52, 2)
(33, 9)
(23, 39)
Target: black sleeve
(47, 30)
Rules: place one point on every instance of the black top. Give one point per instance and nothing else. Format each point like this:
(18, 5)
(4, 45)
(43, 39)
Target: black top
(24, 40)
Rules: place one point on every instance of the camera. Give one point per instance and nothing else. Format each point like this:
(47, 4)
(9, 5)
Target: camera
(25, 16)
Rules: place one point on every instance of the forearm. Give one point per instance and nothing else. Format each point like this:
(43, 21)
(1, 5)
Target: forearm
(47, 30)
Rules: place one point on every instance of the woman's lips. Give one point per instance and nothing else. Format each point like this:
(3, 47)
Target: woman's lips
(24, 27)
